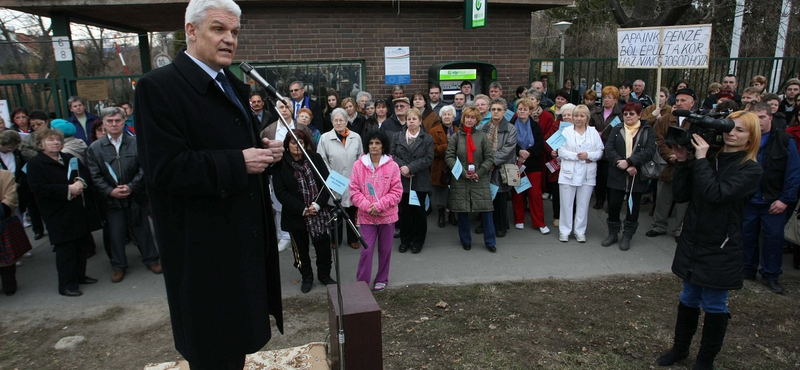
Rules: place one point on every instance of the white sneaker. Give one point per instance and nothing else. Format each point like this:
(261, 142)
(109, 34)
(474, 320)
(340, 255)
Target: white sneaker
(581, 238)
(519, 226)
(563, 237)
(19, 263)
(545, 195)
(283, 244)
(28, 255)
(545, 230)
(26, 223)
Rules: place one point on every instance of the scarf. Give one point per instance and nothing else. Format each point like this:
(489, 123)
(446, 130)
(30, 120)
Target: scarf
(343, 137)
(316, 225)
(524, 134)
(535, 113)
(410, 138)
(493, 135)
(470, 144)
(630, 132)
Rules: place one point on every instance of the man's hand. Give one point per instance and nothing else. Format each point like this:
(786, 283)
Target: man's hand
(524, 154)
(121, 192)
(276, 146)
(777, 207)
(622, 164)
(673, 157)
(257, 160)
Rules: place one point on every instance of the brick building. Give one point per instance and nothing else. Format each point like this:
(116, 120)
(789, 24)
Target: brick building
(314, 35)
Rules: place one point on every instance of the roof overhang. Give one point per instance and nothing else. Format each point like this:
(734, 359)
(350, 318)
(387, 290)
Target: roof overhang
(165, 15)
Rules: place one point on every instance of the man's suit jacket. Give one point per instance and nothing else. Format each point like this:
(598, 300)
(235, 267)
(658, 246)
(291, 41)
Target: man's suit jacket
(213, 221)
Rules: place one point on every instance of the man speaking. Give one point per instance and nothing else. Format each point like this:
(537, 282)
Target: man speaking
(204, 170)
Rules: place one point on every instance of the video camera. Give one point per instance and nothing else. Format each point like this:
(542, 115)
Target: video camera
(710, 126)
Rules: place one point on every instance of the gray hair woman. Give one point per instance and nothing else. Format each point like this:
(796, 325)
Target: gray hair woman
(503, 138)
(440, 174)
(340, 148)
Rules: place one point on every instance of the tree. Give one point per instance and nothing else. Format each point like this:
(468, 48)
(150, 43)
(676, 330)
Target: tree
(649, 13)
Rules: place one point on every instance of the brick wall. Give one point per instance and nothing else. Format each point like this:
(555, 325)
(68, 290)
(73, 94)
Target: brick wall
(360, 31)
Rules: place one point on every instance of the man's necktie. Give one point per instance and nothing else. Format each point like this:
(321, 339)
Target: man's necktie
(226, 86)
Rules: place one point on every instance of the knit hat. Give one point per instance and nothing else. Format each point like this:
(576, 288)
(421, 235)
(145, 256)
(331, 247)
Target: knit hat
(64, 126)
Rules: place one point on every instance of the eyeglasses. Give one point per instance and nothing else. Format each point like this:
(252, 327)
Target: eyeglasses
(627, 114)
(497, 109)
(294, 90)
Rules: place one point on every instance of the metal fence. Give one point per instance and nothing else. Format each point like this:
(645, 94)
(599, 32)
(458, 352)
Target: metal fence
(51, 94)
(604, 71)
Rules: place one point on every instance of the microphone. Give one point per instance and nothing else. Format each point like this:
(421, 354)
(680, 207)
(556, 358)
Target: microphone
(683, 113)
(250, 71)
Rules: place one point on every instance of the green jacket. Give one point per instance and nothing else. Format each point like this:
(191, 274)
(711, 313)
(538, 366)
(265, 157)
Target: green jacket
(467, 195)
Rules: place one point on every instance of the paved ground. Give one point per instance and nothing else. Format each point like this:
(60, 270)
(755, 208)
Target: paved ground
(522, 254)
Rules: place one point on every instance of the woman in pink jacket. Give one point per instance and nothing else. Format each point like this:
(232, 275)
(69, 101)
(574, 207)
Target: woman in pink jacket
(376, 190)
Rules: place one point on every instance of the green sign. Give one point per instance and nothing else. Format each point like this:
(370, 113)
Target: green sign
(457, 74)
(474, 13)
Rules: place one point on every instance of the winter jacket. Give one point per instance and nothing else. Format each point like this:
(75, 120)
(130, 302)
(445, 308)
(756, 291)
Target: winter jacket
(340, 158)
(418, 157)
(603, 126)
(439, 149)
(287, 190)
(643, 152)
(505, 153)
(430, 119)
(709, 252)
(102, 154)
(568, 153)
(385, 181)
(467, 195)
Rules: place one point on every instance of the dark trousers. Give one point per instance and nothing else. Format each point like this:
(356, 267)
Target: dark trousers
(552, 188)
(228, 363)
(118, 221)
(757, 224)
(600, 189)
(617, 201)
(413, 223)
(302, 259)
(501, 211)
(71, 262)
(345, 229)
(8, 274)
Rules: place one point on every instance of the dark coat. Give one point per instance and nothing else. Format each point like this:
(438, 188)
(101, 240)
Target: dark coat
(213, 221)
(603, 126)
(391, 126)
(66, 220)
(287, 190)
(535, 160)
(418, 157)
(643, 152)
(662, 128)
(126, 167)
(439, 149)
(358, 124)
(717, 191)
(79, 132)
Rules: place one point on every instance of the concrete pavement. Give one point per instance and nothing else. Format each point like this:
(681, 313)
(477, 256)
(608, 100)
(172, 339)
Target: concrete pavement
(522, 254)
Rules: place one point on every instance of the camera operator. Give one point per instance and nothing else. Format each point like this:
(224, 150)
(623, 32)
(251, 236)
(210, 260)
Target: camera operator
(684, 99)
(708, 253)
(766, 211)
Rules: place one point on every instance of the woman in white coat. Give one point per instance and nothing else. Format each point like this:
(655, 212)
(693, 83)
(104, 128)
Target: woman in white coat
(340, 148)
(579, 155)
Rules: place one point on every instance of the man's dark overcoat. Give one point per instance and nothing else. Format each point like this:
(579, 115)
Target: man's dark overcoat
(213, 222)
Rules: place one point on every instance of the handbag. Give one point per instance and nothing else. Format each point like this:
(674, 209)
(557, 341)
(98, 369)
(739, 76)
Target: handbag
(509, 174)
(791, 231)
(653, 168)
(14, 242)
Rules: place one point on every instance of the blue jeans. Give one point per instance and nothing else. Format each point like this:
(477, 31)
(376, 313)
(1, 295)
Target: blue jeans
(755, 221)
(713, 300)
(488, 228)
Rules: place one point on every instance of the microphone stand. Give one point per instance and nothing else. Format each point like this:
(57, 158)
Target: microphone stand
(337, 201)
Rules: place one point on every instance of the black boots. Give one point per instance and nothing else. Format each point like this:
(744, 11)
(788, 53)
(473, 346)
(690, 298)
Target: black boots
(452, 217)
(613, 231)
(441, 217)
(714, 327)
(685, 327)
(627, 233)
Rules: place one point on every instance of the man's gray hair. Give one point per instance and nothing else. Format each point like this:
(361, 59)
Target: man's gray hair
(112, 111)
(73, 99)
(363, 93)
(197, 9)
(339, 112)
(447, 108)
(500, 101)
(398, 88)
(535, 94)
(495, 85)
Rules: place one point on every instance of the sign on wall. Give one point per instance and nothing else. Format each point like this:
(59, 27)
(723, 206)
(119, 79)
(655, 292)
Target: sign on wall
(673, 47)
(94, 90)
(5, 113)
(62, 49)
(474, 13)
(397, 65)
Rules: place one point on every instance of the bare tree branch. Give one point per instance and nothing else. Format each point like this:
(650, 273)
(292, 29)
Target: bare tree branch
(618, 13)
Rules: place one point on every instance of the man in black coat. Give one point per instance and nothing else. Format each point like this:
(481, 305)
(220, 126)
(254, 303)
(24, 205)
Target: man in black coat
(262, 110)
(204, 172)
(301, 100)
